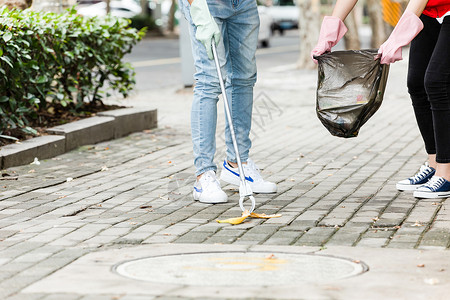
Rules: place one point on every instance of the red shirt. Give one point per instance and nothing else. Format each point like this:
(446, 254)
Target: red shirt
(436, 8)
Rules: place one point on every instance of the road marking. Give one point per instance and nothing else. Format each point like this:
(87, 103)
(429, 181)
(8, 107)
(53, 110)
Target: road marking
(277, 49)
(176, 60)
(156, 62)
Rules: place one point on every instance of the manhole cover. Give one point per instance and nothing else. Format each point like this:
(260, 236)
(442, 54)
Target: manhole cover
(240, 269)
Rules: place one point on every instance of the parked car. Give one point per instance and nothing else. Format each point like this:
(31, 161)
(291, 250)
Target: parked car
(118, 8)
(285, 14)
(265, 27)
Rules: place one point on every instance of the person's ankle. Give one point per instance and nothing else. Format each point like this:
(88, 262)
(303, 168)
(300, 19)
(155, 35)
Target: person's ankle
(443, 170)
(432, 161)
(234, 165)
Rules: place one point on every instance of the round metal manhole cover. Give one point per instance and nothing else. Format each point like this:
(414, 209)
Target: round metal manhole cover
(240, 269)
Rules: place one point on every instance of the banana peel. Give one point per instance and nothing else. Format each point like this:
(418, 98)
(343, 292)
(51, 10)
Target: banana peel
(264, 216)
(237, 220)
(245, 215)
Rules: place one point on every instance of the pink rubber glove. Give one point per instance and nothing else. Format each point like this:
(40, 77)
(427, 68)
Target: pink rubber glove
(332, 30)
(404, 32)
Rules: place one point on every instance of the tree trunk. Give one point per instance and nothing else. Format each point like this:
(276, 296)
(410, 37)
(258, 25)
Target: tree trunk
(376, 23)
(351, 38)
(171, 22)
(309, 25)
(144, 7)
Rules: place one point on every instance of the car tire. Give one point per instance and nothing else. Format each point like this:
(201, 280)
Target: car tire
(265, 44)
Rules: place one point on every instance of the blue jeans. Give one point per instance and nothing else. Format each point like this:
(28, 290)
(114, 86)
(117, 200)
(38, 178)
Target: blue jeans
(238, 21)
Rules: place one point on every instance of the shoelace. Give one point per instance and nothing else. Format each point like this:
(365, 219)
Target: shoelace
(210, 178)
(423, 172)
(253, 170)
(434, 183)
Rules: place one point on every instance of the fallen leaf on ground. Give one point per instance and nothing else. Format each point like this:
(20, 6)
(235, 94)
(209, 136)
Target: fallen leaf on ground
(421, 265)
(145, 206)
(417, 224)
(270, 256)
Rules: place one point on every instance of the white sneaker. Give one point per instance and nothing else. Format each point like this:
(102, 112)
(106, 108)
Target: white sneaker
(207, 189)
(252, 175)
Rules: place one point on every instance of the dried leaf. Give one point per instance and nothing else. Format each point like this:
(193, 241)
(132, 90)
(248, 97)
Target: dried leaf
(417, 224)
(421, 265)
(145, 206)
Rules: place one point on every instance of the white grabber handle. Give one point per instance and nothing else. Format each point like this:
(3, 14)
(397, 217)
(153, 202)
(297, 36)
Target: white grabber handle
(244, 188)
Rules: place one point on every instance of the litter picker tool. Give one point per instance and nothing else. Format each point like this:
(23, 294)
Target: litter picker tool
(244, 187)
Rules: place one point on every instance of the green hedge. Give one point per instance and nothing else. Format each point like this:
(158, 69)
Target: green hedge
(60, 58)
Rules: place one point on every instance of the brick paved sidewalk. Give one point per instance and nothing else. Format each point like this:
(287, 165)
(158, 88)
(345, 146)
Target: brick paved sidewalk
(137, 190)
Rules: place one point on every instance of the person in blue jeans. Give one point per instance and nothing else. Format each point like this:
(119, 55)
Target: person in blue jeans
(233, 26)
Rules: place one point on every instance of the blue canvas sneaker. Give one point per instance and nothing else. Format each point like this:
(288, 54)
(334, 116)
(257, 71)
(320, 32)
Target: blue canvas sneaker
(412, 183)
(207, 189)
(436, 187)
(252, 176)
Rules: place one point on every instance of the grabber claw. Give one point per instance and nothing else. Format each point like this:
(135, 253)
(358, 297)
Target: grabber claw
(246, 191)
(241, 203)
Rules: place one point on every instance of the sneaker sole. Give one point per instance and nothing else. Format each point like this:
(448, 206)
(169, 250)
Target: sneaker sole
(407, 187)
(431, 195)
(234, 180)
(198, 195)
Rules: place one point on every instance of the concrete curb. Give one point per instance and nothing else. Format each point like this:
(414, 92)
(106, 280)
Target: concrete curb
(130, 120)
(106, 126)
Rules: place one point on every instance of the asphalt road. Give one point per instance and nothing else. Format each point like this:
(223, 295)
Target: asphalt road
(157, 61)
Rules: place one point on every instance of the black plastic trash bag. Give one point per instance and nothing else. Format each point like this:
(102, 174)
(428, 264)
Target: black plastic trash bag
(350, 90)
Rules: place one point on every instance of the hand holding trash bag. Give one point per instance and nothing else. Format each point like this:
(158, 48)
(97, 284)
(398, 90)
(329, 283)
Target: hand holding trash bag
(332, 30)
(350, 90)
(404, 32)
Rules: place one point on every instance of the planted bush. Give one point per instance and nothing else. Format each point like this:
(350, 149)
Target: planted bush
(60, 59)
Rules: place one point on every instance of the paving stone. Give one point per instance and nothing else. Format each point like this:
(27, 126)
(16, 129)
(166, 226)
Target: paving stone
(436, 237)
(27, 296)
(193, 237)
(62, 296)
(316, 236)
(372, 242)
